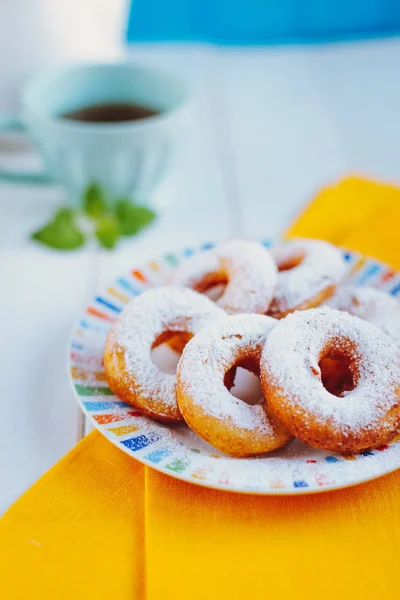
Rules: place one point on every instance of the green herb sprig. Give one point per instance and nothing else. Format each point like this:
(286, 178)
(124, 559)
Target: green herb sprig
(106, 221)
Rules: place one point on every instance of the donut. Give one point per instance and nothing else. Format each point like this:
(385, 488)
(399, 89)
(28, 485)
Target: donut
(145, 322)
(333, 380)
(227, 423)
(369, 304)
(244, 267)
(308, 273)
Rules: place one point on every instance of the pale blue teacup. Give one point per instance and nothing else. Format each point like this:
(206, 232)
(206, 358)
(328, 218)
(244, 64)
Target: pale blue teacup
(127, 158)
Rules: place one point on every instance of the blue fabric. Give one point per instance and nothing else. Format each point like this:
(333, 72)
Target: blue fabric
(262, 21)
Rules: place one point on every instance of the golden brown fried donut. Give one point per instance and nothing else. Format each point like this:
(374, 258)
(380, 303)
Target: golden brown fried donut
(147, 321)
(244, 266)
(333, 380)
(226, 422)
(369, 304)
(308, 273)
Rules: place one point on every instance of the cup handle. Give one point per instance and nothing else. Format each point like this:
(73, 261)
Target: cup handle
(13, 125)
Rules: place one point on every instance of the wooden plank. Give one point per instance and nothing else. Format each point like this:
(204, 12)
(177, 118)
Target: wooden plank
(42, 293)
(284, 142)
(359, 87)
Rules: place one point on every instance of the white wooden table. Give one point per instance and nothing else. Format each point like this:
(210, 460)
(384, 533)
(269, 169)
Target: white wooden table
(271, 126)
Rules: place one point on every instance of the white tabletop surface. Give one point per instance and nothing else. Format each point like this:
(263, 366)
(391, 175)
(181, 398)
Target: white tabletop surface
(271, 126)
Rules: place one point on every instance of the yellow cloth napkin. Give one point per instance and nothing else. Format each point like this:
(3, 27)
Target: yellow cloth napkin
(99, 525)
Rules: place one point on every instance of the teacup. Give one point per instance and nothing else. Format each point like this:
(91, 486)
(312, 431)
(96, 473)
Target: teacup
(127, 158)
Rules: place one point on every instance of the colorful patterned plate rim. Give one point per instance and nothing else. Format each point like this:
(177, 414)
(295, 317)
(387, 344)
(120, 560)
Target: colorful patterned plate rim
(179, 452)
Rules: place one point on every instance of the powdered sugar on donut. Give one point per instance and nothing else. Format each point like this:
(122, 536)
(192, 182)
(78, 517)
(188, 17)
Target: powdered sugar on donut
(146, 317)
(321, 266)
(291, 356)
(247, 267)
(372, 305)
(194, 270)
(209, 355)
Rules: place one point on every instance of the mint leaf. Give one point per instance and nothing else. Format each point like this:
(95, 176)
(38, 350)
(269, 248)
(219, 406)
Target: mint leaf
(61, 233)
(108, 231)
(131, 217)
(94, 201)
(65, 216)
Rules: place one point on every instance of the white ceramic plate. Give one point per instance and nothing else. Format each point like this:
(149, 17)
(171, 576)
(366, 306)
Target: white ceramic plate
(178, 451)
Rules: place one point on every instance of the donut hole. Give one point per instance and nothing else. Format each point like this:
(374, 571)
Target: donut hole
(290, 263)
(167, 349)
(337, 373)
(212, 285)
(243, 382)
(215, 292)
